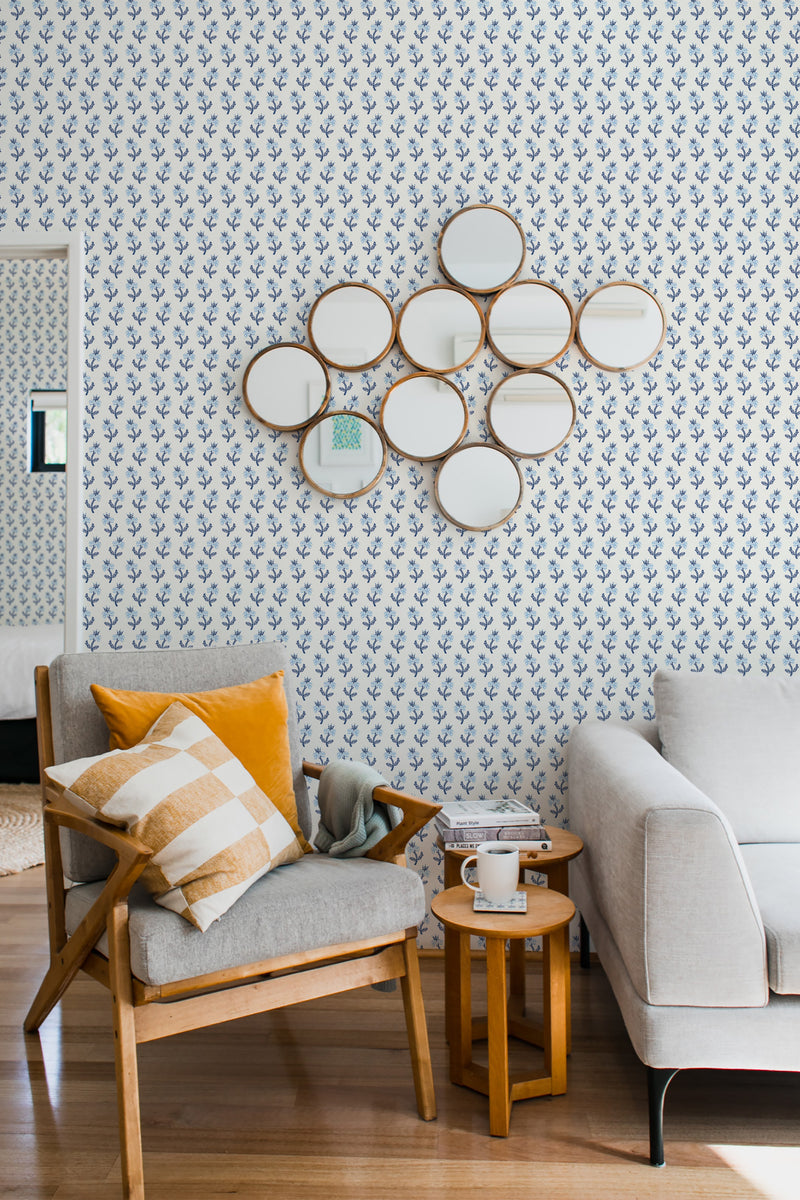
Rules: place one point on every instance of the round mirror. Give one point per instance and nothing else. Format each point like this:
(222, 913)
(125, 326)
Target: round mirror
(531, 413)
(285, 386)
(351, 326)
(440, 329)
(481, 248)
(479, 486)
(530, 324)
(343, 454)
(620, 326)
(424, 416)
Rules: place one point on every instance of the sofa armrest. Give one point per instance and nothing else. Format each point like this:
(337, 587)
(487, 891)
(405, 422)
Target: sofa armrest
(665, 871)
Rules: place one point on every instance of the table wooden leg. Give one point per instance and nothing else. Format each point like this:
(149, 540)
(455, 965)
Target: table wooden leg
(557, 878)
(499, 1092)
(568, 990)
(556, 966)
(458, 1004)
(451, 986)
(516, 991)
(452, 877)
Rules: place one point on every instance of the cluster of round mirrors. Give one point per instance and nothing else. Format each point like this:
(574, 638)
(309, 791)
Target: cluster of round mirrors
(528, 324)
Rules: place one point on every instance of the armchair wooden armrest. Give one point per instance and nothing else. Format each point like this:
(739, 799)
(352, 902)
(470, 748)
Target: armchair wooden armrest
(416, 814)
(59, 811)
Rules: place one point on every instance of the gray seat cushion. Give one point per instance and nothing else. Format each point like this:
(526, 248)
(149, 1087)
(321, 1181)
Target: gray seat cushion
(316, 902)
(775, 875)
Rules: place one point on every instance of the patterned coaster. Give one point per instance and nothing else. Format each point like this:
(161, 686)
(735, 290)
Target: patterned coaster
(517, 904)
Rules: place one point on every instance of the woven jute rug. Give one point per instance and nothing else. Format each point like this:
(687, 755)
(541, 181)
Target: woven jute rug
(21, 838)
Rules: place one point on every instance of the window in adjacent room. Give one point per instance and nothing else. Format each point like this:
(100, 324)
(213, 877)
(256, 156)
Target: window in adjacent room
(48, 430)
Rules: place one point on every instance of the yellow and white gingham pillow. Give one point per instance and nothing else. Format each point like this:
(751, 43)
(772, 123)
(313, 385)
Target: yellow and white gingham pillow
(213, 832)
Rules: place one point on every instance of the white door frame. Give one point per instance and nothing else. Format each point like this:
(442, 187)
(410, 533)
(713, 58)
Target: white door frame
(63, 243)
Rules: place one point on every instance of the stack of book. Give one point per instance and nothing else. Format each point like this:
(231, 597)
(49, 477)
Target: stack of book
(464, 824)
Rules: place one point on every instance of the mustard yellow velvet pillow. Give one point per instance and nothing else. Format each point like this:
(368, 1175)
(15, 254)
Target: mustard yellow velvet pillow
(252, 719)
(212, 831)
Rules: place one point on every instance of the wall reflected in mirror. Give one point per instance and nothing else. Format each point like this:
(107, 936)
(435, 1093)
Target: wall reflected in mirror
(34, 368)
(481, 248)
(620, 326)
(343, 454)
(530, 324)
(479, 486)
(531, 413)
(424, 416)
(286, 385)
(351, 326)
(440, 329)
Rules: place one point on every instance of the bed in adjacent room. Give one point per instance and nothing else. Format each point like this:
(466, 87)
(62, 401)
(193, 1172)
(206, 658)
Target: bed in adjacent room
(22, 649)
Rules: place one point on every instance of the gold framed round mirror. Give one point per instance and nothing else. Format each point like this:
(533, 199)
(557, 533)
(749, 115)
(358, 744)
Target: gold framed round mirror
(352, 326)
(343, 454)
(440, 328)
(481, 248)
(479, 486)
(620, 326)
(424, 416)
(531, 413)
(286, 386)
(530, 323)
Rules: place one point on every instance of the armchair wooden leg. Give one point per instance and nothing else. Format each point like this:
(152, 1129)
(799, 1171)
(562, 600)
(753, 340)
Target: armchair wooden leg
(130, 1131)
(658, 1080)
(52, 988)
(417, 1032)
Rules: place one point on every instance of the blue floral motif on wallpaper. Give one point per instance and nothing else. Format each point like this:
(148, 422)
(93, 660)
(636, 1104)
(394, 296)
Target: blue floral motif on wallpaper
(33, 354)
(228, 162)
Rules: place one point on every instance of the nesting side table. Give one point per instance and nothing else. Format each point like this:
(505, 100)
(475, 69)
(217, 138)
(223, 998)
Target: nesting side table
(548, 916)
(554, 865)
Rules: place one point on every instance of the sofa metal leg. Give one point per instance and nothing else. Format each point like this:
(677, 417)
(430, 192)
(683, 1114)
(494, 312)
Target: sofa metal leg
(584, 944)
(658, 1080)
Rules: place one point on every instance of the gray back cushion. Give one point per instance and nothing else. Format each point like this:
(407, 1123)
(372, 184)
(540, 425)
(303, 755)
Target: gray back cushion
(738, 740)
(79, 729)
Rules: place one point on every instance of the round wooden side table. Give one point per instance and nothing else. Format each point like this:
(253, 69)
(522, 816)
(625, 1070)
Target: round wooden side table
(548, 916)
(554, 865)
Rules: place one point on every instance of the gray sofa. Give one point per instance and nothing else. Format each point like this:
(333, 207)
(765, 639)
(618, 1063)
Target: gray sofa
(689, 882)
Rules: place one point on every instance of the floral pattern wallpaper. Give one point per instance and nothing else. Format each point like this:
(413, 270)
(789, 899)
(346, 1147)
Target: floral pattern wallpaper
(228, 162)
(33, 354)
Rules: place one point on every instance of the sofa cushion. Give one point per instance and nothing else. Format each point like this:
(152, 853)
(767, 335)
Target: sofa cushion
(738, 740)
(252, 719)
(315, 902)
(181, 792)
(775, 875)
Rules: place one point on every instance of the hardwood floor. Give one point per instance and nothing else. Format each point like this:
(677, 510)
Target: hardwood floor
(317, 1103)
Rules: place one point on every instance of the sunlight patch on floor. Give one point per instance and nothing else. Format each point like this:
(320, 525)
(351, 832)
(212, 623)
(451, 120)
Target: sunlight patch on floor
(774, 1170)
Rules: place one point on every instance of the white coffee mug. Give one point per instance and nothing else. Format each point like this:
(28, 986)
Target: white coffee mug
(497, 864)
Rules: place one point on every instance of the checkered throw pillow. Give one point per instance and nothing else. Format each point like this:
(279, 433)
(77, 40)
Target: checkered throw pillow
(212, 831)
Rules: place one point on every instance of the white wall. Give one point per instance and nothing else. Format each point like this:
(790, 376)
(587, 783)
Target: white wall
(228, 163)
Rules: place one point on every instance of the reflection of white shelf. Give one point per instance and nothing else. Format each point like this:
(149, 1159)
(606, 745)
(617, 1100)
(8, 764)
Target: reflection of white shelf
(528, 395)
(463, 346)
(612, 310)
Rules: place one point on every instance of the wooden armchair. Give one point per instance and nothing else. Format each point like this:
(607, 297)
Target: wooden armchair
(166, 977)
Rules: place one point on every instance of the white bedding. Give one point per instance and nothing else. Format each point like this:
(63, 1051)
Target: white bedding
(22, 649)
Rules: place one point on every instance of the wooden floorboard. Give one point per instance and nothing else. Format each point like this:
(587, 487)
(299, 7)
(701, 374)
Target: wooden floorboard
(317, 1102)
